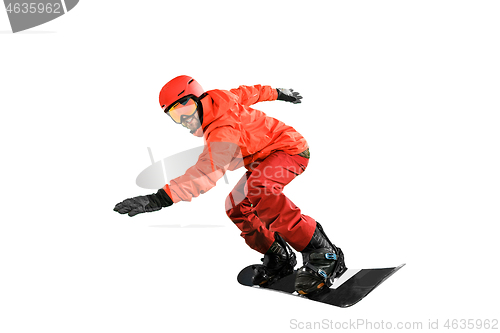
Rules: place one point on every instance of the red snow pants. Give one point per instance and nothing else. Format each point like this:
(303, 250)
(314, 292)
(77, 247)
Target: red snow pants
(259, 208)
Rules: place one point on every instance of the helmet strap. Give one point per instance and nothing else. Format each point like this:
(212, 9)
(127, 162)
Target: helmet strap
(200, 107)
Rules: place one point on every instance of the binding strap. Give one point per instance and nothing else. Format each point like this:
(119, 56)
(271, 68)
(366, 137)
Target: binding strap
(316, 256)
(317, 270)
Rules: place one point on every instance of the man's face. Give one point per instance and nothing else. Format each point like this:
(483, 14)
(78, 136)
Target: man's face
(192, 123)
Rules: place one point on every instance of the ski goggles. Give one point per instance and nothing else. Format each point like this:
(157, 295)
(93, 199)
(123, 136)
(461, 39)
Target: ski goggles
(183, 108)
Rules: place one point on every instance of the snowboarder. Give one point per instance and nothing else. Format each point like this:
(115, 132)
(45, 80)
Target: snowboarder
(273, 154)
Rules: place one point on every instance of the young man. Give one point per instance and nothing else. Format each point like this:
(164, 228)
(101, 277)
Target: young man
(273, 154)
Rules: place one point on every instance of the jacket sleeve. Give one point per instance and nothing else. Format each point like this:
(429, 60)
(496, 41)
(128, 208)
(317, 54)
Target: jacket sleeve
(213, 162)
(249, 95)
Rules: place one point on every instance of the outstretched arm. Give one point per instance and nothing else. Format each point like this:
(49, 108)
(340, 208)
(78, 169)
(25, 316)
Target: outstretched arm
(213, 162)
(211, 166)
(249, 95)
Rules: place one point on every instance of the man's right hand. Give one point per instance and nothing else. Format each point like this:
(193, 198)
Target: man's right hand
(144, 204)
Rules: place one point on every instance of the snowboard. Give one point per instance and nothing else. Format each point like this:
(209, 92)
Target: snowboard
(350, 288)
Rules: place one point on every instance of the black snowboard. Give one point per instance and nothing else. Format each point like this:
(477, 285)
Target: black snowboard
(348, 293)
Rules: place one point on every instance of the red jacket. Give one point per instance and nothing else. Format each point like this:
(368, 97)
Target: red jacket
(235, 135)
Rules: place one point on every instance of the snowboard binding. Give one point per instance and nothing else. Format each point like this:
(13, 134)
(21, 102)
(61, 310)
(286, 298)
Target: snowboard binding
(323, 262)
(278, 262)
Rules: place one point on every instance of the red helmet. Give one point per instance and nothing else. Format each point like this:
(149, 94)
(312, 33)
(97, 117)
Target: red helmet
(177, 88)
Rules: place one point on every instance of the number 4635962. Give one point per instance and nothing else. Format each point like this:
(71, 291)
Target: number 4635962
(34, 7)
(471, 324)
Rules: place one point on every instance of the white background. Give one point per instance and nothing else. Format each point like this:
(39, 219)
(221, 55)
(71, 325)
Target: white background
(401, 111)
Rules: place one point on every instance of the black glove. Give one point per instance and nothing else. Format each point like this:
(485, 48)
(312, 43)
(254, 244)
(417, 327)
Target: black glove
(288, 95)
(142, 204)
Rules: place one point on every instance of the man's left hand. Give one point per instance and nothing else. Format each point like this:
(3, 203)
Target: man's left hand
(289, 95)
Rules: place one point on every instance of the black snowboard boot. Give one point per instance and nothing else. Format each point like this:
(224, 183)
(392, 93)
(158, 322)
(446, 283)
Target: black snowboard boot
(278, 262)
(323, 262)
